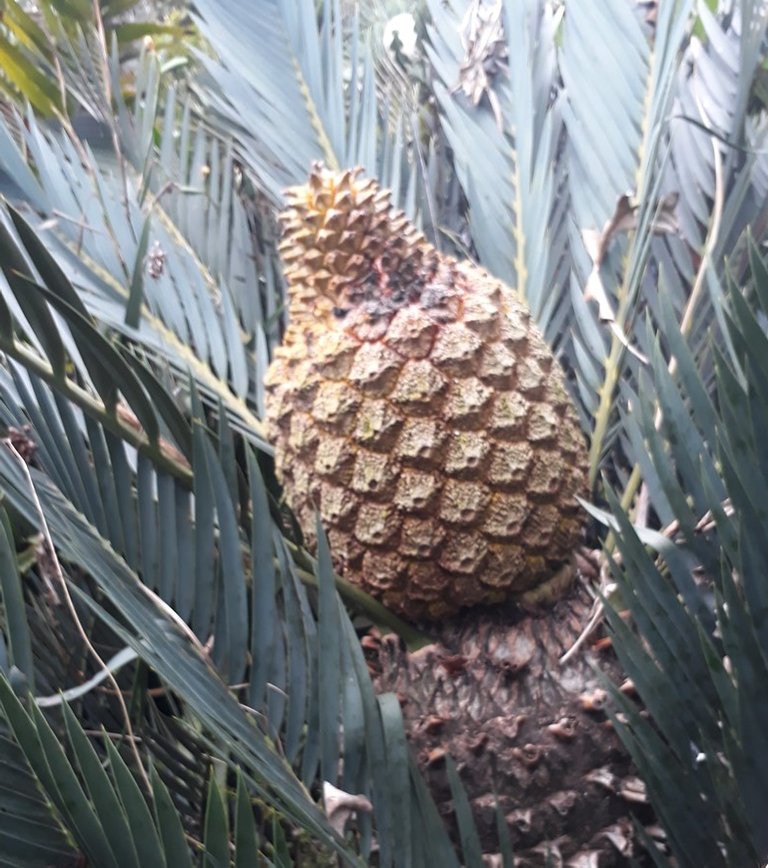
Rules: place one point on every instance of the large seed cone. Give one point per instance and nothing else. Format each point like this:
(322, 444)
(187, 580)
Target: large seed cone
(527, 733)
(416, 405)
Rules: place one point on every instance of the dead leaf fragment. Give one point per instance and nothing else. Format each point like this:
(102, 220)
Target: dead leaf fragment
(485, 53)
(339, 806)
(624, 219)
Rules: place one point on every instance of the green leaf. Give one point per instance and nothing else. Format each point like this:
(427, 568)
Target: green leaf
(115, 8)
(25, 29)
(431, 844)
(246, 838)
(107, 367)
(205, 553)
(264, 615)
(30, 829)
(31, 304)
(375, 749)
(48, 268)
(166, 649)
(131, 31)
(136, 292)
(163, 402)
(110, 811)
(137, 812)
(301, 668)
(15, 618)
(216, 839)
(49, 763)
(85, 825)
(40, 89)
(470, 841)
(232, 618)
(168, 824)
(399, 774)
(329, 658)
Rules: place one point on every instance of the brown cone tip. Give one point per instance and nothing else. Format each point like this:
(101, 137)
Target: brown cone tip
(415, 404)
(345, 246)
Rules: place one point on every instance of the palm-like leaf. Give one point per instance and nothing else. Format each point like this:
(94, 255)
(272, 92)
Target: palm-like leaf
(297, 93)
(176, 518)
(179, 319)
(140, 301)
(608, 126)
(287, 683)
(54, 53)
(30, 834)
(708, 635)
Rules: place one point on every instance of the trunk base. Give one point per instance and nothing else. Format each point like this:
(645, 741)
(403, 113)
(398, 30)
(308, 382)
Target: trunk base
(524, 731)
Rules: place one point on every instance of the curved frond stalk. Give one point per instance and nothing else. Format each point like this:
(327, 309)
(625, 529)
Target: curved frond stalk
(715, 178)
(617, 112)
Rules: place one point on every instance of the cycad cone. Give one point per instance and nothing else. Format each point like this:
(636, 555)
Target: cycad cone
(417, 407)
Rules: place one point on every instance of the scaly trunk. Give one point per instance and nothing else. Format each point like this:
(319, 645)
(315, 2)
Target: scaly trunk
(523, 729)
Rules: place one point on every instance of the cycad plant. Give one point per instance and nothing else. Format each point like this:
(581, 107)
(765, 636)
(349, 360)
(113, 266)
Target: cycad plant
(183, 681)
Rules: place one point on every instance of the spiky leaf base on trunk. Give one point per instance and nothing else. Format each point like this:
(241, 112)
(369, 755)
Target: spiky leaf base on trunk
(522, 728)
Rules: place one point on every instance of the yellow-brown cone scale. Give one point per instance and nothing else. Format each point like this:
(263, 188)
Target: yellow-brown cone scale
(416, 406)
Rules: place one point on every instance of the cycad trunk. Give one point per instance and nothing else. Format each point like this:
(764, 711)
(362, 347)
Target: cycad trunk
(523, 729)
